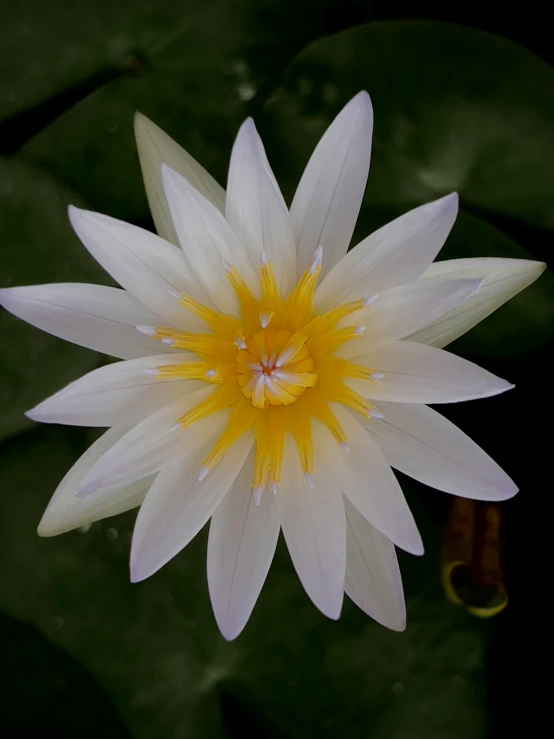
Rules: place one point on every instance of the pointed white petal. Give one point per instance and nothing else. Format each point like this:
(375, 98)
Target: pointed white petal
(315, 531)
(394, 255)
(501, 280)
(66, 511)
(120, 393)
(147, 446)
(207, 240)
(328, 198)
(421, 443)
(401, 310)
(373, 580)
(365, 477)
(416, 373)
(145, 265)
(94, 316)
(241, 545)
(155, 147)
(256, 210)
(178, 504)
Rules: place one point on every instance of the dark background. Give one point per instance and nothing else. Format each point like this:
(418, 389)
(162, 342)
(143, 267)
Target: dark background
(467, 107)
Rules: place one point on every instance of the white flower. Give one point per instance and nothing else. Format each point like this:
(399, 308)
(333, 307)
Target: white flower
(271, 379)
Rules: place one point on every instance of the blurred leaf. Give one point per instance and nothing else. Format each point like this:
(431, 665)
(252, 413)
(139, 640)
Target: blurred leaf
(38, 246)
(524, 322)
(156, 649)
(195, 68)
(455, 109)
(48, 693)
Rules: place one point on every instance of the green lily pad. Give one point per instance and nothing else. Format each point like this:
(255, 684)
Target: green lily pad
(523, 323)
(156, 649)
(48, 692)
(38, 246)
(195, 68)
(455, 109)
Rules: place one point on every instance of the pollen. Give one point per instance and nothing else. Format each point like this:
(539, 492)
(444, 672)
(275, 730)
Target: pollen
(274, 366)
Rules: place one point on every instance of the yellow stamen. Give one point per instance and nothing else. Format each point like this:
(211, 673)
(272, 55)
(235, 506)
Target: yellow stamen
(243, 417)
(300, 305)
(224, 397)
(218, 322)
(212, 345)
(327, 322)
(275, 367)
(196, 371)
(327, 343)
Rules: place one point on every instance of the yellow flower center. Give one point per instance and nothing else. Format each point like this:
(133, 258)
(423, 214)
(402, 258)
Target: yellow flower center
(275, 368)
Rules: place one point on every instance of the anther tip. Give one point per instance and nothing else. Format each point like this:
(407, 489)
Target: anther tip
(263, 258)
(359, 330)
(257, 494)
(203, 473)
(174, 293)
(147, 330)
(317, 260)
(369, 301)
(344, 446)
(309, 480)
(226, 266)
(376, 376)
(373, 413)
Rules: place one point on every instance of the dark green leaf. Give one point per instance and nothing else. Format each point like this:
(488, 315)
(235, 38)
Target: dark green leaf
(156, 649)
(38, 246)
(49, 693)
(455, 109)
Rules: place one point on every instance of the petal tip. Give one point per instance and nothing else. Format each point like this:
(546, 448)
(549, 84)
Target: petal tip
(5, 294)
(363, 99)
(34, 413)
(229, 630)
(44, 530)
(138, 572)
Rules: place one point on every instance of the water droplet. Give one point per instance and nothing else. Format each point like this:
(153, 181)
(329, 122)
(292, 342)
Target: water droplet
(246, 91)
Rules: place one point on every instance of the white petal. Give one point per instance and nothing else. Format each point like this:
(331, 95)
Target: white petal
(155, 147)
(501, 280)
(256, 210)
(366, 478)
(207, 240)
(373, 580)
(66, 511)
(315, 531)
(421, 443)
(142, 263)
(120, 393)
(328, 198)
(401, 310)
(178, 504)
(94, 316)
(394, 255)
(147, 446)
(242, 542)
(415, 373)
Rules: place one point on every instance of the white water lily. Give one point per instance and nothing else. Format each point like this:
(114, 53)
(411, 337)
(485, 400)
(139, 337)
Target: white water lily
(270, 380)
